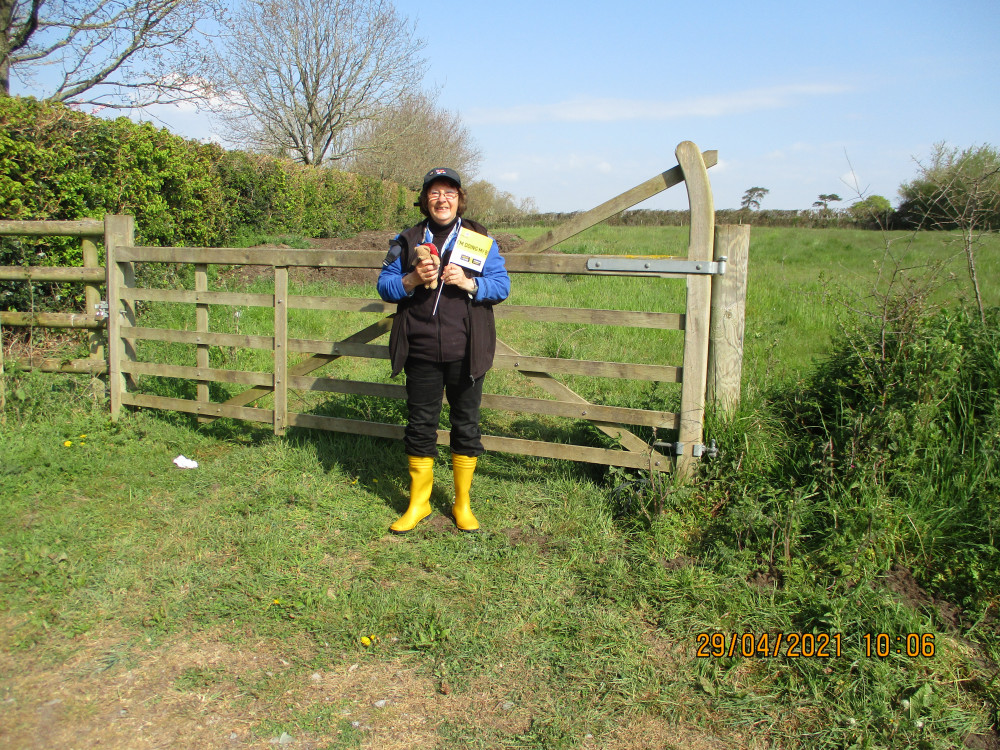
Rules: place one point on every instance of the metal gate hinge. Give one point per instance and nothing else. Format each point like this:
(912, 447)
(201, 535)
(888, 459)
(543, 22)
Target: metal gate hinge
(658, 265)
(697, 450)
(709, 451)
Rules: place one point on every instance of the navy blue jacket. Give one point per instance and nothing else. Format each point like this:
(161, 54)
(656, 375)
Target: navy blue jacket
(464, 325)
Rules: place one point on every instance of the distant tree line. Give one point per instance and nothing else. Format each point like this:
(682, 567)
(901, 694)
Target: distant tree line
(811, 219)
(954, 190)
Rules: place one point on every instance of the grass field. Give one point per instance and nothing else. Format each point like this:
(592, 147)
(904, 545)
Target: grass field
(257, 601)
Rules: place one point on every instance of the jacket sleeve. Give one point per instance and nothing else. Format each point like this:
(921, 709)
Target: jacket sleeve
(390, 278)
(494, 283)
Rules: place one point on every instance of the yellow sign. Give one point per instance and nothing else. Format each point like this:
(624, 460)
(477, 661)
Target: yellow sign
(471, 249)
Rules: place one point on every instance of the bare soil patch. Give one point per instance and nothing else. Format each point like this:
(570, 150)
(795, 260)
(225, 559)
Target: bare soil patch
(904, 587)
(111, 688)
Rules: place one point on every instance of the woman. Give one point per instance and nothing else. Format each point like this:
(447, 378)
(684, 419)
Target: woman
(443, 338)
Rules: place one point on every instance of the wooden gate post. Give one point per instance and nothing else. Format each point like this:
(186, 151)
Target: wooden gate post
(201, 325)
(699, 292)
(280, 349)
(92, 296)
(91, 300)
(119, 231)
(3, 384)
(729, 296)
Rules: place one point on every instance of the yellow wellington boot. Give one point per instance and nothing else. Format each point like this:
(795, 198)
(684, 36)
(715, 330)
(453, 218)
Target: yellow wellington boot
(463, 467)
(421, 484)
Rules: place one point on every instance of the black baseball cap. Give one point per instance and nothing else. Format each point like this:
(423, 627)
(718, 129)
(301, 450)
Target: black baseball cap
(445, 172)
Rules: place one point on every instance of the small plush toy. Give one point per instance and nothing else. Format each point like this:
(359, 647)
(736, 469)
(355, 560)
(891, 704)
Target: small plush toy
(425, 251)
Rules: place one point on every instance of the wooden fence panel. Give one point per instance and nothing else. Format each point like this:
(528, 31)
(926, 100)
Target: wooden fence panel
(92, 275)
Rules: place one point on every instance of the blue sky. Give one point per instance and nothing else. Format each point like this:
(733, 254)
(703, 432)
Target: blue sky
(573, 103)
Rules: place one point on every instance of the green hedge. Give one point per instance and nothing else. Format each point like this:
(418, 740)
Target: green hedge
(272, 196)
(57, 163)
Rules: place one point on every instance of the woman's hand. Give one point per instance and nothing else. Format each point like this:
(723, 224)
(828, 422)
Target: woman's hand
(422, 273)
(455, 275)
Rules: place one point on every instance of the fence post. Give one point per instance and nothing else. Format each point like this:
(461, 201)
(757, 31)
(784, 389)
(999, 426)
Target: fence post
(280, 349)
(699, 291)
(91, 298)
(3, 384)
(201, 325)
(729, 296)
(119, 231)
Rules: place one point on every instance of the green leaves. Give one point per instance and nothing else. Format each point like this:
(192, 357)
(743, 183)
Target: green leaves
(58, 163)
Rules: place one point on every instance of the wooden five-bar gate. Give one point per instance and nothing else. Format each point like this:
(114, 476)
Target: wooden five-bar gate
(715, 270)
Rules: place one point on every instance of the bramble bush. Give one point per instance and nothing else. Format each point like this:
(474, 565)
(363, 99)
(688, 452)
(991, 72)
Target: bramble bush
(886, 456)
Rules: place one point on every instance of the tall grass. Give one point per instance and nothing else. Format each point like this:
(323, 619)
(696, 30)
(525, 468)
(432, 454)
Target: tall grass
(855, 493)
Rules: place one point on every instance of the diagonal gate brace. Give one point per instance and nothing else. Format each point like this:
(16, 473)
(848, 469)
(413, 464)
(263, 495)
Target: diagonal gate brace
(314, 362)
(553, 387)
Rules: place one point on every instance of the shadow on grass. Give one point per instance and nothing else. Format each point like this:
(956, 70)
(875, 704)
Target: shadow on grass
(380, 465)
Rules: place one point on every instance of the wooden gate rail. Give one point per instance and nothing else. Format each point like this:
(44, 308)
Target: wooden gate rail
(635, 452)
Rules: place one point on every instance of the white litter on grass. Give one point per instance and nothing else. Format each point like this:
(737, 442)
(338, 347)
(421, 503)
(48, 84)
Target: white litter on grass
(185, 463)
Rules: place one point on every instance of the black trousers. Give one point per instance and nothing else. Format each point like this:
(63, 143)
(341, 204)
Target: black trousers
(426, 384)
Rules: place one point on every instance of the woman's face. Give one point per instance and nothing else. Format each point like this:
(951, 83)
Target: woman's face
(442, 201)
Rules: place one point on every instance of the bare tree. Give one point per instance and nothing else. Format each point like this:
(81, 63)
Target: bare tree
(402, 142)
(300, 76)
(492, 206)
(957, 190)
(114, 53)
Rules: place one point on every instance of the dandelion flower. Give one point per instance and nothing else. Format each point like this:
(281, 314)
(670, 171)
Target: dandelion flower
(68, 443)
(366, 641)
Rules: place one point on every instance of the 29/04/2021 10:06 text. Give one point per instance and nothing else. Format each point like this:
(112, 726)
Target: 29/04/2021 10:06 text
(809, 645)
(908, 644)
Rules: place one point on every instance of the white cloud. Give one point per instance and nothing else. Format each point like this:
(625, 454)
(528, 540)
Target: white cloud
(199, 87)
(588, 109)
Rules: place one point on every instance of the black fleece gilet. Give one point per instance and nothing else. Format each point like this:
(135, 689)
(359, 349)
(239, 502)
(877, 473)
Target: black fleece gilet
(461, 328)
